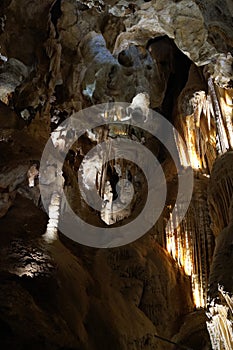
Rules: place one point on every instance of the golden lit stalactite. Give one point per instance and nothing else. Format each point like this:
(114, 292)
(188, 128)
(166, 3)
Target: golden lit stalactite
(222, 137)
(192, 147)
(210, 121)
(197, 292)
(226, 105)
(196, 123)
(182, 154)
(170, 239)
(180, 246)
(208, 131)
(191, 244)
(199, 133)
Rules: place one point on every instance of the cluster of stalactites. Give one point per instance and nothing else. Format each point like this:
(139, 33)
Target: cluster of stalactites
(206, 123)
(113, 181)
(191, 244)
(220, 323)
(113, 178)
(199, 133)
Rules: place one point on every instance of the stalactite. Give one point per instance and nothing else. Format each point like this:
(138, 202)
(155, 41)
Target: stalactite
(190, 243)
(226, 104)
(196, 122)
(205, 121)
(221, 130)
(114, 209)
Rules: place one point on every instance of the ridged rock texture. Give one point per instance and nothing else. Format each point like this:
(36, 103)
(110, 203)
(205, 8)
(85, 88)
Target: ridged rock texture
(171, 289)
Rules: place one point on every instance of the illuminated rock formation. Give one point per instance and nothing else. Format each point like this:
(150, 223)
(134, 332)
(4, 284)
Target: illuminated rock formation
(220, 324)
(191, 244)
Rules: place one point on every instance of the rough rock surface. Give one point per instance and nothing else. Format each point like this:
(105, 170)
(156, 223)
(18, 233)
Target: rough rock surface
(75, 297)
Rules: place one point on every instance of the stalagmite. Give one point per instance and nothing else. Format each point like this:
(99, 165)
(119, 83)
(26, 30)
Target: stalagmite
(52, 177)
(54, 212)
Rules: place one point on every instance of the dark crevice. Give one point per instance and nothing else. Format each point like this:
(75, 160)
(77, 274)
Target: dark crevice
(56, 14)
(173, 67)
(176, 83)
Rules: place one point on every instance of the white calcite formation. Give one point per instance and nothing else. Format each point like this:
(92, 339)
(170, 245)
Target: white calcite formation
(53, 212)
(32, 174)
(220, 323)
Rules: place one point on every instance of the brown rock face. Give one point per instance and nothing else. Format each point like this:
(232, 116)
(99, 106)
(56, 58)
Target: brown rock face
(57, 58)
